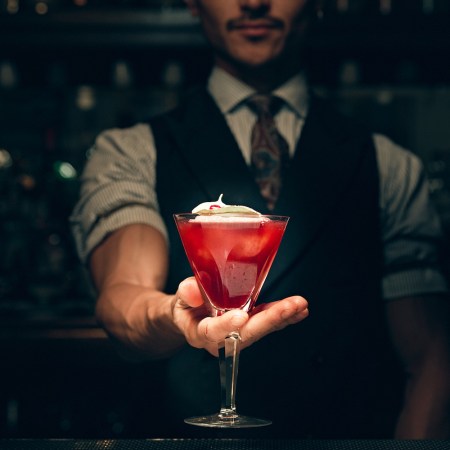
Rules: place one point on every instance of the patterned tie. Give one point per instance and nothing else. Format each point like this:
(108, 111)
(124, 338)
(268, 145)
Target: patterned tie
(270, 151)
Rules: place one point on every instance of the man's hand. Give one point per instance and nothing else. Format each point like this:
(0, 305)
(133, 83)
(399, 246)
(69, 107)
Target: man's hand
(201, 330)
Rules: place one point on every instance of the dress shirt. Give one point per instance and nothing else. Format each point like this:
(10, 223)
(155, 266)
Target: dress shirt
(118, 186)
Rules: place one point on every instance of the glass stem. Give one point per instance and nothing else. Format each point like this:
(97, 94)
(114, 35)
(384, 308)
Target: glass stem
(229, 364)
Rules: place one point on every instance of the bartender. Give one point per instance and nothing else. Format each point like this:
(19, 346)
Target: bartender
(372, 359)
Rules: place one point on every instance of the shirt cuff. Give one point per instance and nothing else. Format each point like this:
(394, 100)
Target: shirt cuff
(413, 282)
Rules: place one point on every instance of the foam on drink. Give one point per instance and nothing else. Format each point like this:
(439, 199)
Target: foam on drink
(222, 210)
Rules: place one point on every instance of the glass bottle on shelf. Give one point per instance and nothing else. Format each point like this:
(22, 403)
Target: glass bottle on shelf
(385, 7)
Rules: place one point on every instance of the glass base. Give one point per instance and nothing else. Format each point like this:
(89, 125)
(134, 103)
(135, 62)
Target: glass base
(227, 421)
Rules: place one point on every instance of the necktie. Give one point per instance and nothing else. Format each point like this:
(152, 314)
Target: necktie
(269, 148)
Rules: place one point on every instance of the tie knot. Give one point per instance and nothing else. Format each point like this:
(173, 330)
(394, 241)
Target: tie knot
(264, 104)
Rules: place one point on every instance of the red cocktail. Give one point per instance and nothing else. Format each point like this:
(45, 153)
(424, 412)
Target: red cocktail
(230, 255)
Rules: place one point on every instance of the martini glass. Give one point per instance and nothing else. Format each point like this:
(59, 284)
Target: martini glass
(230, 255)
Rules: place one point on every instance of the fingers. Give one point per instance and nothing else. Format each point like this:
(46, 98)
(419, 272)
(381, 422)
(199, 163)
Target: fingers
(189, 293)
(269, 317)
(216, 329)
(209, 331)
(193, 318)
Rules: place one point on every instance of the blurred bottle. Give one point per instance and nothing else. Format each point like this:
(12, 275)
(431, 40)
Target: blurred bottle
(9, 6)
(84, 116)
(349, 73)
(428, 6)
(9, 75)
(385, 7)
(41, 7)
(122, 75)
(5, 163)
(122, 100)
(172, 80)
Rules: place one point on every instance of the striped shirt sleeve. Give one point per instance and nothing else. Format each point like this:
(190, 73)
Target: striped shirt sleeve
(117, 187)
(410, 225)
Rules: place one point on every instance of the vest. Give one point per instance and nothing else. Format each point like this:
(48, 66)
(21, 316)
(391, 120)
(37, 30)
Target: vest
(334, 375)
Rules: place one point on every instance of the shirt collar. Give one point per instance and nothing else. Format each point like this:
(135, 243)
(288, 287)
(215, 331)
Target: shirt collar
(229, 92)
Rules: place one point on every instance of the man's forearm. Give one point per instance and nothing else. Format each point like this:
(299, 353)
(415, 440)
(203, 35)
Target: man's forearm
(420, 330)
(426, 411)
(129, 270)
(139, 321)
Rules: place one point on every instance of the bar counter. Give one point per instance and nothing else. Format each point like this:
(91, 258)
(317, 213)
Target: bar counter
(221, 444)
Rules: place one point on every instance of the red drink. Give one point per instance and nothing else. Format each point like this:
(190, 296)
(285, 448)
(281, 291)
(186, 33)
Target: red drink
(231, 256)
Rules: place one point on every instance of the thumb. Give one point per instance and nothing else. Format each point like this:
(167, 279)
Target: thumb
(189, 293)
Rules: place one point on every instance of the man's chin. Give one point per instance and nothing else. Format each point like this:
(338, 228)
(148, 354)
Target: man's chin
(256, 57)
(251, 61)
(261, 64)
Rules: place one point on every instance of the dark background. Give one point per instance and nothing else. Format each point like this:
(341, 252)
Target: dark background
(71, 68)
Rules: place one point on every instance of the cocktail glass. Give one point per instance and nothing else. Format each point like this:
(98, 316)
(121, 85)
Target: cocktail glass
(230, 255)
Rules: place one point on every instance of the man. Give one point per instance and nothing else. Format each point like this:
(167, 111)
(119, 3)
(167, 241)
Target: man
(360, 246)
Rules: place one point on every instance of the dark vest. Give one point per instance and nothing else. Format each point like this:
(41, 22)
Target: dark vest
(334, 374)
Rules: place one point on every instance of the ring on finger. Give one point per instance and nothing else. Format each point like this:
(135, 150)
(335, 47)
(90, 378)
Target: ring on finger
(208, 319)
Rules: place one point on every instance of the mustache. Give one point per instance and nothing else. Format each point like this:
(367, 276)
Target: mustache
(240, 22)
